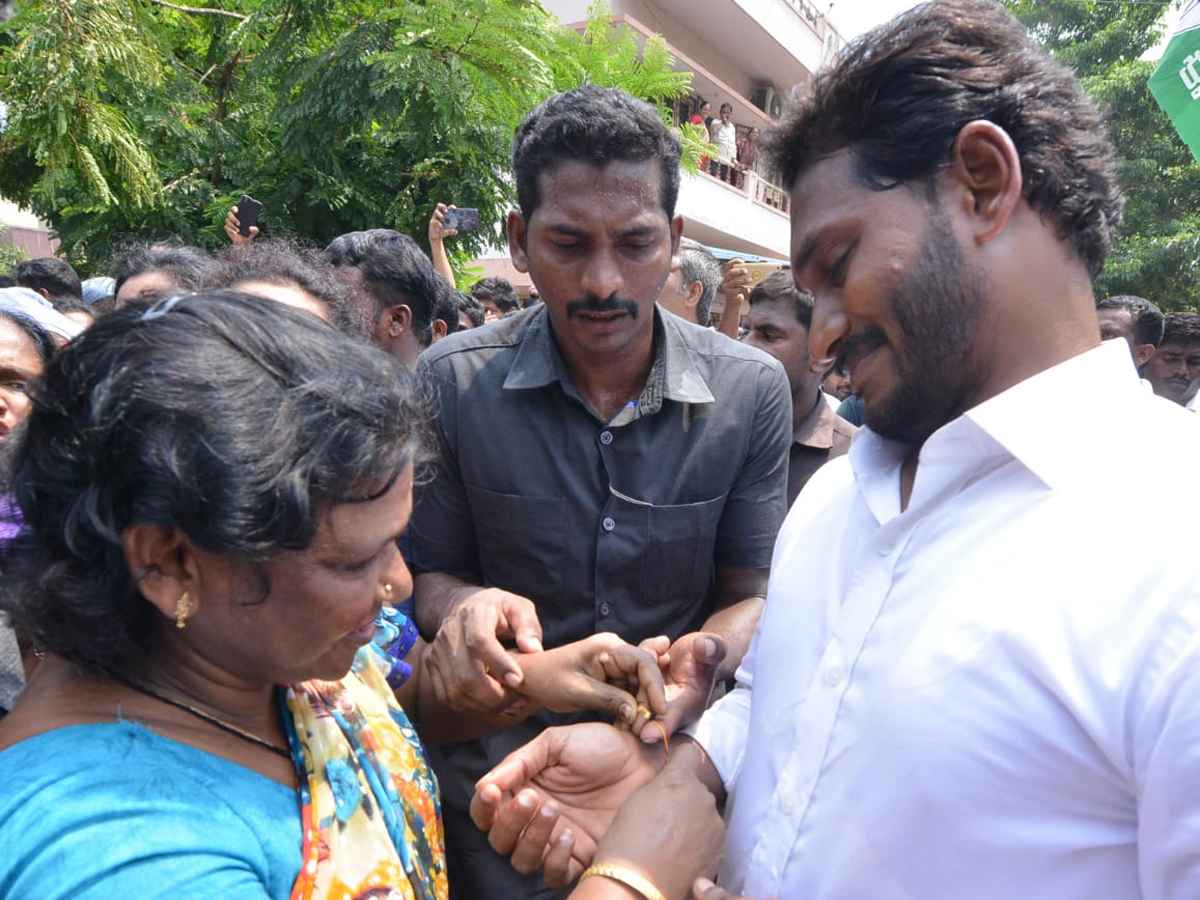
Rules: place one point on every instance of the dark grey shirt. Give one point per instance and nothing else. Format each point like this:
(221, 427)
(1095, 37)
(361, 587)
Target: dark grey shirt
(606, 526)
(613, 526)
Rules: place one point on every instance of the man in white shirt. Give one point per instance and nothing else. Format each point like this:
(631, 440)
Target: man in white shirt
(971, 678)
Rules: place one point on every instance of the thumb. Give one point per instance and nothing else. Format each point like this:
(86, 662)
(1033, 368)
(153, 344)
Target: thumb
(708, 650)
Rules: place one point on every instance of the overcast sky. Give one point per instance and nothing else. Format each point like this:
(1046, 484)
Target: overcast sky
(853, 17)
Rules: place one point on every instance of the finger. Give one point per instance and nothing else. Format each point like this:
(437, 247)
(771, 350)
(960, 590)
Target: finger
(532, 846)
(658, 645)
(511, 821)
(521, 621)
(556, 869)
(522, 765)
(485, 806)
(703, 889)
(253, 232)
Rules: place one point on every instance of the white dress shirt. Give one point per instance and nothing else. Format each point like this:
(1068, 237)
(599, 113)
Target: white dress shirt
(994, 694)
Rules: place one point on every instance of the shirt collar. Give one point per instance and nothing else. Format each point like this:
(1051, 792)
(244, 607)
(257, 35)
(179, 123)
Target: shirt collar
(1053, 423)
(674, 374)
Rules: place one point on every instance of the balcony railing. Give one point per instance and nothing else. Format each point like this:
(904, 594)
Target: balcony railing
(748, 182)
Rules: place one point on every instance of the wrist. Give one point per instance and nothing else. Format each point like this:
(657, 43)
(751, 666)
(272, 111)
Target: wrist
(634, 882)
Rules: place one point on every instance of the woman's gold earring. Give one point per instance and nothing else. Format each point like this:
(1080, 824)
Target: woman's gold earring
(184, 607)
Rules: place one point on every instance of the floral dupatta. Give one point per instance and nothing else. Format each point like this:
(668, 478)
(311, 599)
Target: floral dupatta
(371, 818)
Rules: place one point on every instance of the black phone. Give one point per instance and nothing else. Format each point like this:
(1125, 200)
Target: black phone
(248, 212)
(465, 219)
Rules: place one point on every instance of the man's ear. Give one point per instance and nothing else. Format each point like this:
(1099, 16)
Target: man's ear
(694, 292)
(164, 565)
(676, 234)
(1142, 354)
(439, 331)
(45, 293)
(516, 241)
(397, 320)
(987, 169)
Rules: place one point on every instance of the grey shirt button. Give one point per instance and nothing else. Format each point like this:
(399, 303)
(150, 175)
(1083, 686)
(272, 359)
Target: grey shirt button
(608, 523)
(605, 609)
(606, 437)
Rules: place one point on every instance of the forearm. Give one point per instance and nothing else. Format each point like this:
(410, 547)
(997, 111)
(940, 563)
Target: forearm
(735, 623)
(435, 594)
(731, 316)
(441, 262)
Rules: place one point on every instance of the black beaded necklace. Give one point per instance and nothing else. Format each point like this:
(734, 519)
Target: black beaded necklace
(202, 715)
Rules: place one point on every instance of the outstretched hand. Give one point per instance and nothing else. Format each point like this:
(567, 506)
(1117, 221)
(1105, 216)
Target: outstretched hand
(233, 228)
(437, 224)
(550, 802)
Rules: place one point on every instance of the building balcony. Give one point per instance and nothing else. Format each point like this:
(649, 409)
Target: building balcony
(739, 211)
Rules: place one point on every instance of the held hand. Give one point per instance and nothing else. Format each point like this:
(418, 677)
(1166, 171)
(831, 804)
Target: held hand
(232, 225)
(471, 670)
(689, 670)
(737, 282)
(669, 831)
(551, 801)
(437, 229)
(601, 672)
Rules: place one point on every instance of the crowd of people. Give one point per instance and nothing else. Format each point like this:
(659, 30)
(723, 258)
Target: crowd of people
(322, 578)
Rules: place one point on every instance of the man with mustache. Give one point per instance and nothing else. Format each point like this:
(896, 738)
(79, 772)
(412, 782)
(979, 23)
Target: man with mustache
(605, 467)
(1175, 366)
(972, 677)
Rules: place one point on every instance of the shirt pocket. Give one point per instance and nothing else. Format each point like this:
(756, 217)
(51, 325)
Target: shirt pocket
(522, 542)
(677, 567)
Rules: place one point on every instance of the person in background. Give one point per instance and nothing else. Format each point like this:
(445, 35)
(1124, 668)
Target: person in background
(288, 273)
(25, 351)
(1175, 366)
(780, 317)
(53, 278)
(151, 272)
(692, 284)
(396, 287)
(497, 296)
(747, 154)
(438, 232)
(1135, 320)
(723, 133)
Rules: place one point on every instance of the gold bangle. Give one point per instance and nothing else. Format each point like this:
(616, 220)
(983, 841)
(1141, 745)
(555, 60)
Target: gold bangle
(626, 876)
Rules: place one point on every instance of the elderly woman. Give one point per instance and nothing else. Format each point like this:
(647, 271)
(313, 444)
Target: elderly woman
(213, 488)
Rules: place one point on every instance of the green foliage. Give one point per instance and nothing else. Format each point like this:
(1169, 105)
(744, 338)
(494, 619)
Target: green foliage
(141, 119)
(10, 255)
(1157, 250)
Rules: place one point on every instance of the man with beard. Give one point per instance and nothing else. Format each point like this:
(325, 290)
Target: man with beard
(957, 687)
(604, 466)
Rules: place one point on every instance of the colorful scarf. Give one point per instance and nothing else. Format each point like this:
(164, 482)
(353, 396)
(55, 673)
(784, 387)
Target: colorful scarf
(372, 822)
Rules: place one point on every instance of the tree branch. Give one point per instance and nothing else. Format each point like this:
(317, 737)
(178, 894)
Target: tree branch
(201, 9)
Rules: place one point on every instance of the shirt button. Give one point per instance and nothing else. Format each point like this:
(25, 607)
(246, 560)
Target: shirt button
(885, 550)
(606, 437)
(605, 609)
(608, 524)
(834, 676)
(788, 805)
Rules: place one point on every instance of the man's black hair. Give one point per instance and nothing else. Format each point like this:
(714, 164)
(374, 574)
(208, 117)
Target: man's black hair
(593, 125)
(48, 273)
(898, 97)
(1147, 319)
(498, 290)
(394, 271)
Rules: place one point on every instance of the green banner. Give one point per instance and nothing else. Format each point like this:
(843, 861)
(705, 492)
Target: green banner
(1175, 84)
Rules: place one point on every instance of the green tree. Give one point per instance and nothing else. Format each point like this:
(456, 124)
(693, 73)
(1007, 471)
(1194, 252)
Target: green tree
(1158, 245)
(146, 118)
